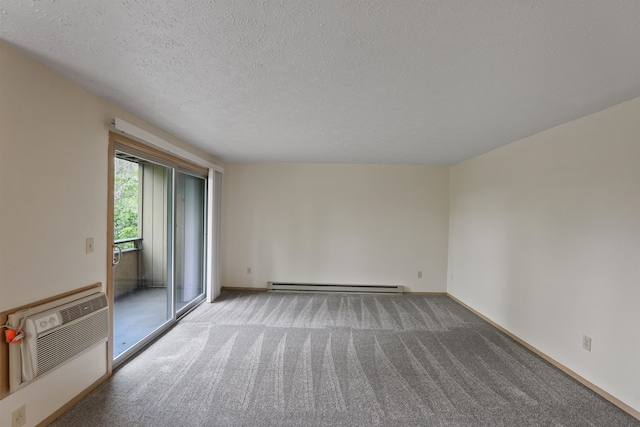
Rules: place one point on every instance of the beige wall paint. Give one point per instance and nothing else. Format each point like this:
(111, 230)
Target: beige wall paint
(333, 223)
(53, 195)
(545, 241)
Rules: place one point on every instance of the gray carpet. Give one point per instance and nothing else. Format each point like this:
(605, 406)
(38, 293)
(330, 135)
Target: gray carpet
(259, 359)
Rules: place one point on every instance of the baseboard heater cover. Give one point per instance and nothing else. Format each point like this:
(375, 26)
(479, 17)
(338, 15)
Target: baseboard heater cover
(319, 287)
(55, 333)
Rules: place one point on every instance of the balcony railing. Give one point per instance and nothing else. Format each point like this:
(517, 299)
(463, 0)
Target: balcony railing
(131, 244)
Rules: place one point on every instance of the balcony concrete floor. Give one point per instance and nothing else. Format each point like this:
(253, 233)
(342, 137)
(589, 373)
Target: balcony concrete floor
(136, 315)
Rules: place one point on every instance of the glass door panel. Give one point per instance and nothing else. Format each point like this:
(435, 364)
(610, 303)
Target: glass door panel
(190, 239)
(142, 279)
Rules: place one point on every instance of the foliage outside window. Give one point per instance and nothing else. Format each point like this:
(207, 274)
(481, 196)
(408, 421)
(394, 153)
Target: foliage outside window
(125, 209)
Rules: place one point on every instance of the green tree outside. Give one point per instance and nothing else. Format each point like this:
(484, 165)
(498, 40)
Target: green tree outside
(125, 206)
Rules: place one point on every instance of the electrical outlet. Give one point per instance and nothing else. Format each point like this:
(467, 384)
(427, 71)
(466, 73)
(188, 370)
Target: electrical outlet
(586, 342)
(248, 270)
(89, 245)
(19, 416)
(419, 274)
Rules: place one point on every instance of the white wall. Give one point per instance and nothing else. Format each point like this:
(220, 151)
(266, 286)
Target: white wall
(335, 223)
(53, 195)
(545, 241)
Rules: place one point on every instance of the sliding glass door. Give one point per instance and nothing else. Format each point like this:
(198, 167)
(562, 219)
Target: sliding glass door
(159, 229)
(190, 238)
(142, 274)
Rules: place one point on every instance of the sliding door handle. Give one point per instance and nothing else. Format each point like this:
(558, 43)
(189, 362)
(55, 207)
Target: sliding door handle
(117, 255)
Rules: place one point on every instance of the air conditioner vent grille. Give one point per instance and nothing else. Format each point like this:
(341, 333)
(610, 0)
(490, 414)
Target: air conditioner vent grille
(65, 343)
(82, 309)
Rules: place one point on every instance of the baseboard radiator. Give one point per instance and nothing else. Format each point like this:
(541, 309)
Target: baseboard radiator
(318, 287)
(55, 333)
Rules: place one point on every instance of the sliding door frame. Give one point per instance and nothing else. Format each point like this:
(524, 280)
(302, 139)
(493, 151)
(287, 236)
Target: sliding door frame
(119, 142)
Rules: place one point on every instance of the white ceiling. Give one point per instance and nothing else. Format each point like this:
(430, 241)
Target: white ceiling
(367, 81)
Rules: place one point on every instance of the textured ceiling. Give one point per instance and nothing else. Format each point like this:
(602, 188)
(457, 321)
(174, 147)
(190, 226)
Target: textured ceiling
(400, 82)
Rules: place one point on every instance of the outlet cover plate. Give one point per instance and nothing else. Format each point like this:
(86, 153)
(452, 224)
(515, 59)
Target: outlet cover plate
(18, 417)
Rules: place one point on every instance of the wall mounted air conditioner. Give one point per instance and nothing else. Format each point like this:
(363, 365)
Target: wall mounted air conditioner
(55, 333)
